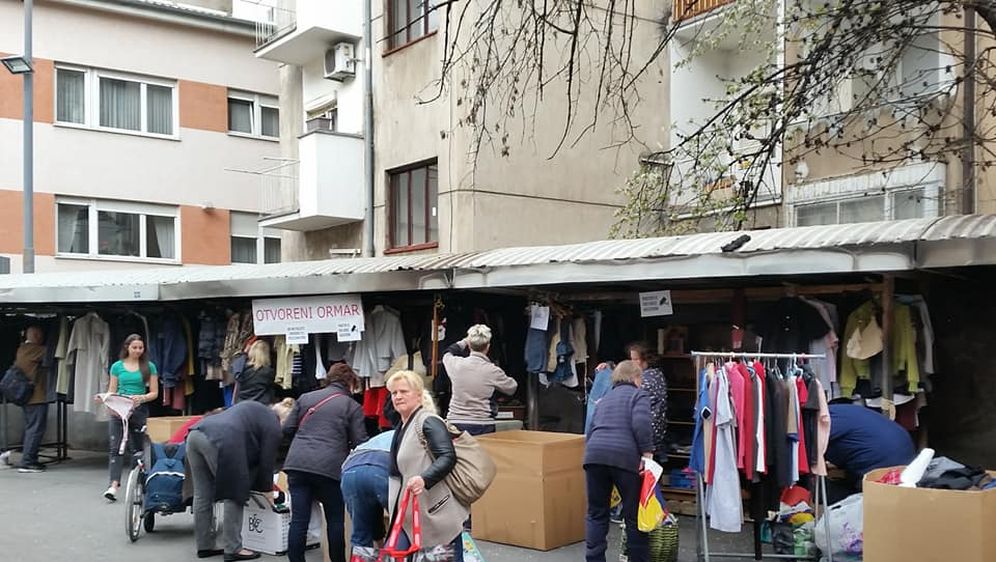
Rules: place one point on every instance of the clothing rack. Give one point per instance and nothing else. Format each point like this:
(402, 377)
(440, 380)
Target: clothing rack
(702, 543)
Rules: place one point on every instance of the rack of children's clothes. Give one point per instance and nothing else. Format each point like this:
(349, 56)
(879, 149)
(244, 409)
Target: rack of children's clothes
(741, 431)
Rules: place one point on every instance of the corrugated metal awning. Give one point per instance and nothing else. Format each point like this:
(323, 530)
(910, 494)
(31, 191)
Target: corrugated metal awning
(835, 249)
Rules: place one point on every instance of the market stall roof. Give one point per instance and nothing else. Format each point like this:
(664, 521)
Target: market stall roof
(893, 246)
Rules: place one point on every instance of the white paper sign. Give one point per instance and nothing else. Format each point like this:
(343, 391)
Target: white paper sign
(539, 317)
(297, 334)
(318, 315)
(347, 331)
(656, 303)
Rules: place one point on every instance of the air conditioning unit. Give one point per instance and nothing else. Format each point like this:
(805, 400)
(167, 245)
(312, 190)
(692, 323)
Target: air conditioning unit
(340, 62)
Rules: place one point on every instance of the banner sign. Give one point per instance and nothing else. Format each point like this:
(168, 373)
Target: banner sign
(313, 315)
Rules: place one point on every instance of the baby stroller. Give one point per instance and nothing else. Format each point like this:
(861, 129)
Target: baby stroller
(157, 490)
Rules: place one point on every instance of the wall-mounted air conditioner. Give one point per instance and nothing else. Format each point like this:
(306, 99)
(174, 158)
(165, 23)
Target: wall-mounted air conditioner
(340, 62)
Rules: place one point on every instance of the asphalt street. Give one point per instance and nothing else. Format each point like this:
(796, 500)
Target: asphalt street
(61, 515)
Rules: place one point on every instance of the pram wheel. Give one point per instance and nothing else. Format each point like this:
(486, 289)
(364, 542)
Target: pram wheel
(149, 522)
(134, 508)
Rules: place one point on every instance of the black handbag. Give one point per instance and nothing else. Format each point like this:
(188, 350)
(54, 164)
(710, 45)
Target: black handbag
(16, 387)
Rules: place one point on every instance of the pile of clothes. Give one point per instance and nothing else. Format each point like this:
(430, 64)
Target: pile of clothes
(790, 529)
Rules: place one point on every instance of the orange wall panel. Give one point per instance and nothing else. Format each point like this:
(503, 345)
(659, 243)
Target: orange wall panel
(12, 223)
(203, 106)
(12, 88)
(205, 236)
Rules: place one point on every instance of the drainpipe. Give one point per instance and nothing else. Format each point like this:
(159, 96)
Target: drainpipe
(968, 158)
(28, 127)
(368, 130)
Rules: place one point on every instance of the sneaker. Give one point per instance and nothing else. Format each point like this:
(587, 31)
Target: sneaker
(111, 494)
(5, 458)
(32, 468)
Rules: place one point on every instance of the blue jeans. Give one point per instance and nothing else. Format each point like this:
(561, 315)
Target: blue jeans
(305, 488)
(404, 542)
(35, 420)
(537, 350)
(600, 479)
(475, 428)
(364, 488)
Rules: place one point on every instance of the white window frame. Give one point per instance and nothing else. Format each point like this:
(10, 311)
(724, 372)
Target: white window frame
(928, 176)
(143, 210)
(258, 101)
(261, 235)
(91, 100)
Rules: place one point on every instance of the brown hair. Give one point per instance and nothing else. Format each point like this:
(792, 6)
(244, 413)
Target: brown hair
(343, 373)
(641, 349)
(143, 360)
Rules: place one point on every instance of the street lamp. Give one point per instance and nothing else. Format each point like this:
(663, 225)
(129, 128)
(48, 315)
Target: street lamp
(17, 65)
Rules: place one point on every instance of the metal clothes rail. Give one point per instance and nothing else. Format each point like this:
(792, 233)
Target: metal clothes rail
(702, 546)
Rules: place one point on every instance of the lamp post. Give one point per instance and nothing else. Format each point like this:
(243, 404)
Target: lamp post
(22, 65)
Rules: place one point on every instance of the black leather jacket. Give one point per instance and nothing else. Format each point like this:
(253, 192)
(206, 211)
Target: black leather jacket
(441, 449)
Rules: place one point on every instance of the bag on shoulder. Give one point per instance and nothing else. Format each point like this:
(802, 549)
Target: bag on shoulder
(474, 470)
(16, 387)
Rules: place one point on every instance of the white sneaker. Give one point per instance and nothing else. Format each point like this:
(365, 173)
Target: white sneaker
(111, 494)
(5, 458)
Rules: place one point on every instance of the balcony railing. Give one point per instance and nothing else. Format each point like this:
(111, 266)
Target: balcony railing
(688, 9)
(278, 193)
(281, 22)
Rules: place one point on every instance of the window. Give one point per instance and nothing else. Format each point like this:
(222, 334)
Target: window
(117, 229)
(253, 114)
(322, 119)
(409, 20)
(112, 101)
(905, 204)
(413, 206)
(250, 242)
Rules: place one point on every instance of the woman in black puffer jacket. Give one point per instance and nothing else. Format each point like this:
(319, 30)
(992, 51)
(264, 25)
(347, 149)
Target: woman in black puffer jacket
(256, 381)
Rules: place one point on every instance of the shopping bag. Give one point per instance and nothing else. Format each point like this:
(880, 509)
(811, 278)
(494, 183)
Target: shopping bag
(652, 509)
(663, 542)
(391, 550)
(364, 554)
(470, 551)
(846, 529)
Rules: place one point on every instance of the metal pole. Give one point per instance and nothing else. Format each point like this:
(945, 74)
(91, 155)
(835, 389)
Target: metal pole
(968, 158)
(888, 294)
(28, 126)
(368, 130)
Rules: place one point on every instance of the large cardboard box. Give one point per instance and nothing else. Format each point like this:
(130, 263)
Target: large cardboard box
(538, 497)
(162, 428)
(927, 525)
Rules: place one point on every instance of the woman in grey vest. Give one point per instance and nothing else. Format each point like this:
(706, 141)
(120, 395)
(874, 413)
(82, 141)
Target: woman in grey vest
(422, 455)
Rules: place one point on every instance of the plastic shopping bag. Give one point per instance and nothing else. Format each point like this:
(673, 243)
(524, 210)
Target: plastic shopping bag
(846, 523)
(470, 551)
(652, 509)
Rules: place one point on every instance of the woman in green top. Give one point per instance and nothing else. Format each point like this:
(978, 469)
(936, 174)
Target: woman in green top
(135, 376)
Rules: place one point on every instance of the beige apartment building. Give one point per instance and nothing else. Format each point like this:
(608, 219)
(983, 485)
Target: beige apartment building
(146, 116)
(431, 194)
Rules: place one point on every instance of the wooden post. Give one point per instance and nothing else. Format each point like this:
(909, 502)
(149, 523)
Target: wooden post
(888, 298)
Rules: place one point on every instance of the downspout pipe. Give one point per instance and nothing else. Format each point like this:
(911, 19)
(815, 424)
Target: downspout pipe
(28, 126)
(368, 129)
(968, 158)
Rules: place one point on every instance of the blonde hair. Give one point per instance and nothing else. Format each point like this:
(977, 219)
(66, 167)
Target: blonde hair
(414, 381)
(259, 354)
(283, 409)
(626, 371)
(479, 337)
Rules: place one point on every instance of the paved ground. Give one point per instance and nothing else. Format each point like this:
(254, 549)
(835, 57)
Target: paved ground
(61, 515)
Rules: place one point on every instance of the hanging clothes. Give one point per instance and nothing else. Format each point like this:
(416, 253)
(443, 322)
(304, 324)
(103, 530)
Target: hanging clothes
(64, 373)
(723, 500)
(87, 350)
(382, 344)
(903, 342)
(167, 348)
(760, 432)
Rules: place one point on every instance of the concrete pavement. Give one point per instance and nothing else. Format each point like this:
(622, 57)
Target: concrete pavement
(61, 515)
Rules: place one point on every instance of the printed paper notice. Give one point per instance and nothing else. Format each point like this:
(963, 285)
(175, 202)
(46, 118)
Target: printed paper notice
(348, 332)
(656, 303)
(539, 317)
(297, 334)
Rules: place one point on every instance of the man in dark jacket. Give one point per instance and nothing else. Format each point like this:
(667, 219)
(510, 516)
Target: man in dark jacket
(621, 436)
(230, 455)
(28, 360)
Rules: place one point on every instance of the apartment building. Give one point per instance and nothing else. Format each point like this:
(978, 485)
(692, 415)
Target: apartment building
(832, 186)
(431, 194)
(147, 116)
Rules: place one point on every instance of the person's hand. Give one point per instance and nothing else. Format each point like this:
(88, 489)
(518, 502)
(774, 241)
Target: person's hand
(602, 365)
(416, 485)
(137, 399)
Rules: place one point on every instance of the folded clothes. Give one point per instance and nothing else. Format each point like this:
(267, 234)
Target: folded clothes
(956, 479)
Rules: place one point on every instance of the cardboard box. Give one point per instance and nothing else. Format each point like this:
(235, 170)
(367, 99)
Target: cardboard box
(266, 531)
(538, 497)
(162, 428)
(927, 525)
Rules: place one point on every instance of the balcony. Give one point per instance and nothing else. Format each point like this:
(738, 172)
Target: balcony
(321, 190)
(302, 36)
(687, 9)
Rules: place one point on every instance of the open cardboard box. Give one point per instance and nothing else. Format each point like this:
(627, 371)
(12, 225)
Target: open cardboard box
(927, 525)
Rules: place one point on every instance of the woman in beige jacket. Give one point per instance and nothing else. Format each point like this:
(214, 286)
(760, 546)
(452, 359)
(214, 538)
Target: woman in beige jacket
(422, 455)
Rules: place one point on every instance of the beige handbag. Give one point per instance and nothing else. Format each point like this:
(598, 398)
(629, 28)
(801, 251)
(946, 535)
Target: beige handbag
(474, 470)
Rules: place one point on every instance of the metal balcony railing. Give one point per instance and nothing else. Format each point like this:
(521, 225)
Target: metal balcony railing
(278, 193)
(281, 22)
(687, 9)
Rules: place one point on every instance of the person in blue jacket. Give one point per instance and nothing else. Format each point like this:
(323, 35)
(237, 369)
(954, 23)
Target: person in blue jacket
(364, 488)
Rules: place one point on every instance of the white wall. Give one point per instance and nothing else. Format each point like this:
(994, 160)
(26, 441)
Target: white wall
(317, 91)
(190, 171)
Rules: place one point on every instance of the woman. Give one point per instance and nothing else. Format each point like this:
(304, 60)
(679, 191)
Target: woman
(421, 468)
(137, 377)
(326, 425)
(256, 381)
(620, 435)
(474, 379)
(655, 385)
(230, 455)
